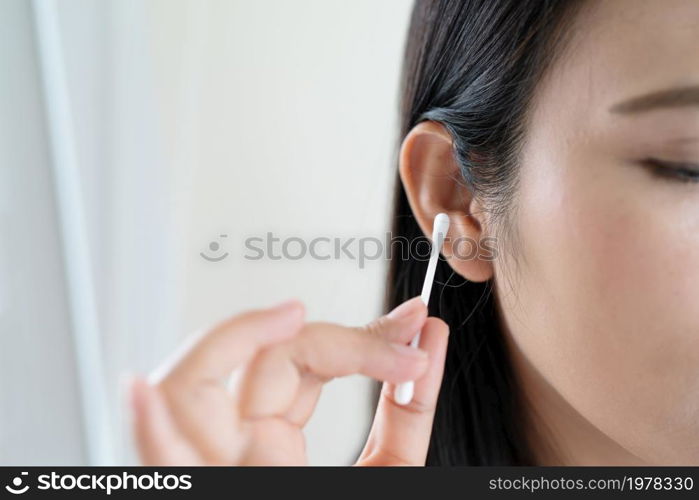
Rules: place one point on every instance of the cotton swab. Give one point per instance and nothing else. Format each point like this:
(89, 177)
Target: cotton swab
(404, 392)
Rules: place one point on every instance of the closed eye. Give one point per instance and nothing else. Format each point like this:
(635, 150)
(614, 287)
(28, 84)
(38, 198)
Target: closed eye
(680, 171)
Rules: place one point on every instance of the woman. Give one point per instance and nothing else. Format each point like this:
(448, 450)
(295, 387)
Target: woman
(568, 132)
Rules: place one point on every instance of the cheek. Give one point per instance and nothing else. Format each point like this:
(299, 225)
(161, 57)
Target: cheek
(605, 296)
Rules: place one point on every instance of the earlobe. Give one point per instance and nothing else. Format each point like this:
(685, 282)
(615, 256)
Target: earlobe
(433, 183)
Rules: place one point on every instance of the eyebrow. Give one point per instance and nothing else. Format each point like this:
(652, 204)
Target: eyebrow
(669, 98)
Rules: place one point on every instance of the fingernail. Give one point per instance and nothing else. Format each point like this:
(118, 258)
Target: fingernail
(406, 309)
(406, 350)
(288, 306)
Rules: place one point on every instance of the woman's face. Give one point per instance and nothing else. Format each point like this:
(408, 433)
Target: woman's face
(603, 298)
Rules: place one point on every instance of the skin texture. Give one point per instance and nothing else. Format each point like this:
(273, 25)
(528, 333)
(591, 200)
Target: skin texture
(597, 290)
(604, 306)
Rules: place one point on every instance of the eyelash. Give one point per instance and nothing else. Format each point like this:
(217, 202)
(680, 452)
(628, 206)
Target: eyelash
(678, 171)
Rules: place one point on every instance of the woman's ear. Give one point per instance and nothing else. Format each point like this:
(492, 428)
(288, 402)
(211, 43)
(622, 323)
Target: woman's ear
(433, 184)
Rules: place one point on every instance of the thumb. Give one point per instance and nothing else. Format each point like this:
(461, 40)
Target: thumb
(400, 434)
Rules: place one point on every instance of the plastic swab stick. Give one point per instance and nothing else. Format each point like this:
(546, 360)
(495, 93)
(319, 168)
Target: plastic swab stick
(404, 392)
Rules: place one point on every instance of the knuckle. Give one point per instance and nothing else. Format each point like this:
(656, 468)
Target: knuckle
(309, 344)
(376, 327)
(309, 337)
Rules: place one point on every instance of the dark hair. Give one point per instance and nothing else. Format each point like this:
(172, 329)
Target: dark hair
(472, 65)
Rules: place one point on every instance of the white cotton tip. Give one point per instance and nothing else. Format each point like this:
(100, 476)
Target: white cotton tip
(440, 227)
(403, 393)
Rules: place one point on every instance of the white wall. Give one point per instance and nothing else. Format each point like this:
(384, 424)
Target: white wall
(40, 418)
(199, 118)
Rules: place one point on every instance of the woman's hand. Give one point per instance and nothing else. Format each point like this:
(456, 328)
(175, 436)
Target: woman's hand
(185, 414)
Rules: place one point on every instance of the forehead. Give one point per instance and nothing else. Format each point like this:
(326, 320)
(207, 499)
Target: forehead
(618, 50)
(623, 48)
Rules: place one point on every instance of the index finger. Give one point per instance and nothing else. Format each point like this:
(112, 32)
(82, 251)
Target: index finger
(214, 354)
(272, 382)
